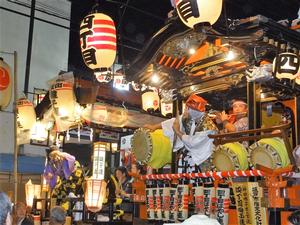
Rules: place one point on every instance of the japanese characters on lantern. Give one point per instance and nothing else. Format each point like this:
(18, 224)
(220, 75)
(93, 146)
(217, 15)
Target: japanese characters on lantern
(193, 12)
(287, 65)
(98, 40)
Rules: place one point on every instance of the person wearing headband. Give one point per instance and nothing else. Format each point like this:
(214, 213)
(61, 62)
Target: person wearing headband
(189, 131)
(238, 120)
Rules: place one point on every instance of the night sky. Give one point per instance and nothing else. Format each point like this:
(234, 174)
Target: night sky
(142, 18)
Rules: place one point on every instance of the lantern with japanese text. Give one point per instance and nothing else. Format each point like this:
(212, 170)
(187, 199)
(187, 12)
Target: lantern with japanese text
(32, 191)
(150, 101)
(26, 116)
(5, 84)
(166, 108)
(103, 76)
(98, 40)
(193, 12)
(63, 100)
(99, 153)
(287, 65)
(95, 193)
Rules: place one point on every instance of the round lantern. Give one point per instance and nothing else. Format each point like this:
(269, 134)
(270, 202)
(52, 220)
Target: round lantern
(198, 11)
(63, 100)
(286, 65)
(5, 84)
(166, 108)
(150, 101)
(98, 40)
(26, 116)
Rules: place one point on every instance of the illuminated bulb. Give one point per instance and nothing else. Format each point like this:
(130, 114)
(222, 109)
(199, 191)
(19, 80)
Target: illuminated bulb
(192, 51)
(62, 112)
(230, 55)
(155, 78)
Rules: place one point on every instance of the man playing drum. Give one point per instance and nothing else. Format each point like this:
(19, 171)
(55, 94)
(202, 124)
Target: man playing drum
(189, 132)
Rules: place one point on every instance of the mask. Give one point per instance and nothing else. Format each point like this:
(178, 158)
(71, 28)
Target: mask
(195, 114)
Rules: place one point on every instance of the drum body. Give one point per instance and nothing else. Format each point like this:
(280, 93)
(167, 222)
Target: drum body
(269, 152)
(151, 148)
(230, 156)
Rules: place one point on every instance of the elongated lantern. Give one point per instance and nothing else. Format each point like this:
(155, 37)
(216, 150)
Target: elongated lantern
(5, 84)
(193, 12)
(63, 100)
(26, 116)
(98, 41)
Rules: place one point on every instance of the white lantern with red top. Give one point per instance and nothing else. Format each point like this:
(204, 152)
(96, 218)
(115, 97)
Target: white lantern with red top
(63, 100)
(98, 41)
(26, 116)
(150, 101)
(192, 12)
(5, 84)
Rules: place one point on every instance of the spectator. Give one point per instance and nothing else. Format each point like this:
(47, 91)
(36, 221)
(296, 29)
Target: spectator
(294, 218)
(5, 209)
(57, 216)
(20, 215)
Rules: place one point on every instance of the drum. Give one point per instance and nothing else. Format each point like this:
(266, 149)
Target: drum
(269, 152)
(230, 156)
(151, 148)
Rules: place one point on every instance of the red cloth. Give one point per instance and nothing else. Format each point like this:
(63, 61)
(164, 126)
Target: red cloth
(196, 102)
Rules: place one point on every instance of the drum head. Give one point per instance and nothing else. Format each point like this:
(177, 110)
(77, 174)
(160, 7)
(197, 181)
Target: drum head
(269, 152)
(231, 156)
(142, 145)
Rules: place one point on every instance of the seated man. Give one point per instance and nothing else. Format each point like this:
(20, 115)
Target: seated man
(238, 120)
(189, 132)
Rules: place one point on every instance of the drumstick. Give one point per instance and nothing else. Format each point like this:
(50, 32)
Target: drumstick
(177, 118)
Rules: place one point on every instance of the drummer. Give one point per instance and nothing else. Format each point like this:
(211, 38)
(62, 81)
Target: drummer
(189, 132)
(238, 120)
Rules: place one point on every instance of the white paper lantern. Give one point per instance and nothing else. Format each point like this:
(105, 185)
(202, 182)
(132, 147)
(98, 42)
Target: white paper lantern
(166, 108)
(98, 41)
(5, 84)
(32, 191)
(39, 131)
(26, 116)
(193, 12)
(63, 100)
(99, 152)
(287, 65)
(150, 101)
(94, 195)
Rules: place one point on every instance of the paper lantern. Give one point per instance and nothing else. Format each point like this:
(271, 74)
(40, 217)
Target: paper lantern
(287, 65)
(39, 131)
(193, 12)
(26, 116)
(150, 101)
(98, 40)
(99, 153)
(32, 191)
(63, 100)
(95, 193)
(166, 108)
(5, 84)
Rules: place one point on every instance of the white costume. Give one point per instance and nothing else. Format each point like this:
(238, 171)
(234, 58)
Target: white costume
(198, 144)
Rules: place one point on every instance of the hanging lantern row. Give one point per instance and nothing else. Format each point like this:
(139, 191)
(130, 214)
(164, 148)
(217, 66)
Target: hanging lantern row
(98, 41)
(287, 65)
(5, 84)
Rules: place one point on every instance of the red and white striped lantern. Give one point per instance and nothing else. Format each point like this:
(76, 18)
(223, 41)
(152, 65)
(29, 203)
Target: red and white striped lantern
(5, 84)
(98, 41)
(26, 116)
